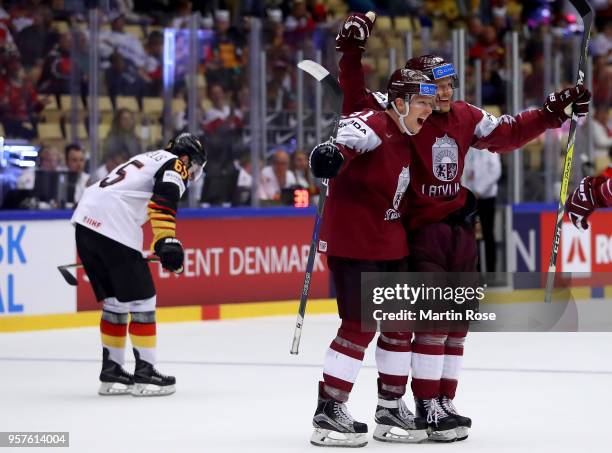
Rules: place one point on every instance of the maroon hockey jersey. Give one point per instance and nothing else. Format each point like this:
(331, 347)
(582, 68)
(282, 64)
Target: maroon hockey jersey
(362, 213)
(441, 145)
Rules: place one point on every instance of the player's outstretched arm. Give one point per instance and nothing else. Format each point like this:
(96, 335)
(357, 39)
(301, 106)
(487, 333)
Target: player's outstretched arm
(351, 41)
(508, 133)
(592, 193)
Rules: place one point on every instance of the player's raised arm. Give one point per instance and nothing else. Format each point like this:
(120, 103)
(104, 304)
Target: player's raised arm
(507, 133)
(351, 41)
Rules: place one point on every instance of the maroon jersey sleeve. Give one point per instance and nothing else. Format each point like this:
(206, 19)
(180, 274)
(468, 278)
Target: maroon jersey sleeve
(352, 81)
(355, 136)
(508, 133)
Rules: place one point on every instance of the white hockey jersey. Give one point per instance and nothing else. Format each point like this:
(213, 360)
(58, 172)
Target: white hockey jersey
(116, 207)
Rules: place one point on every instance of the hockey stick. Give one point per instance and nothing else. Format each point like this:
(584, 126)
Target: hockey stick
(586, 12)
(72, 280)
(335, 98)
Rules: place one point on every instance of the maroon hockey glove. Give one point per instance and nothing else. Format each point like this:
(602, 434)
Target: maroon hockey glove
(354, 32)
(170, 252)
(559, 105)
(592, 193)
(325, 160)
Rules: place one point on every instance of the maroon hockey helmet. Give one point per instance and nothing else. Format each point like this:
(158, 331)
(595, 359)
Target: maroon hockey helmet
(434, 67)
(405, 83)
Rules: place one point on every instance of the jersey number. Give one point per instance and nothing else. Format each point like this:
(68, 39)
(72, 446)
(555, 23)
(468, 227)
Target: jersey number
(121, 174)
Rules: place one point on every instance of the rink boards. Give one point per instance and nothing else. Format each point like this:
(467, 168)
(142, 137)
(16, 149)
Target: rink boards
(241, 263)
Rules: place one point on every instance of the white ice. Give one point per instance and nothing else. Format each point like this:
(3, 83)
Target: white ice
(239, 390)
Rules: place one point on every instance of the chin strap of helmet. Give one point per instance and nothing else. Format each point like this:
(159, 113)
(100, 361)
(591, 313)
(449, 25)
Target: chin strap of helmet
(403, 115)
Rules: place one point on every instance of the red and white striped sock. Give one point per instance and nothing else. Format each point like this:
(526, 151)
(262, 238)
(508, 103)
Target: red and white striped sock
(427, 364)
(343, 360)
(393, 358)
(453, 360)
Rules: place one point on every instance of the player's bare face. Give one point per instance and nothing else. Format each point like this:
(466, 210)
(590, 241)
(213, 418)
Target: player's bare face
(444, 94)
(420, 109)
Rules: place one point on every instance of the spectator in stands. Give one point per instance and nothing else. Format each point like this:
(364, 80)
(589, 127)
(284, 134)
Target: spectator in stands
(602, 43)
(55, 76)
(220, 118)
(19, 102)
(36, 40)
(225, 63)
(75, 163)
(299, 167)
(280, 90)
(276, 177)
(154, 64)
(48, 160)
(125, 55)
(121, 136)
(299, 24)
(112, 159)
(6, 38)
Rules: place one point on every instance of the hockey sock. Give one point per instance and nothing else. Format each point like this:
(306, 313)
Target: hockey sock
(427, 364)
(343, 360)
(113, 330)
(143, 331)
(393, 359)
(453, 358)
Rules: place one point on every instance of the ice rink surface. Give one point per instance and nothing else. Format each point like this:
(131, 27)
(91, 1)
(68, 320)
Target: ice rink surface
(239, 390)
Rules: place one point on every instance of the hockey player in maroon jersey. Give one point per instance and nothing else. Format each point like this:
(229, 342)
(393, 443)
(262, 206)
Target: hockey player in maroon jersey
(438, 220)
(592, 193)
(369, 164)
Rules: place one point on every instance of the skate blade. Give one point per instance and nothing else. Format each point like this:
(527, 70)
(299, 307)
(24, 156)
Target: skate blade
(152, 390)
(448, 435)
(462, 433)
(387, 433)
(328, 438)
(114, 388)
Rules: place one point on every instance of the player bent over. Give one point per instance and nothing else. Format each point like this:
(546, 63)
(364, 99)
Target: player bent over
(439, 210)
(108, 223)
(361, 232)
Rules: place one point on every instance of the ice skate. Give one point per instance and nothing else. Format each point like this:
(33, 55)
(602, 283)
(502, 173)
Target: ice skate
(395, 423)
(114, 380)
(463, 423)
(149, 382)
(441, 426)
(334, 426)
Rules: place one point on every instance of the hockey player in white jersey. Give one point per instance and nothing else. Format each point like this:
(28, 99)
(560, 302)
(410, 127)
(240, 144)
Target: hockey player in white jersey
(109, 236)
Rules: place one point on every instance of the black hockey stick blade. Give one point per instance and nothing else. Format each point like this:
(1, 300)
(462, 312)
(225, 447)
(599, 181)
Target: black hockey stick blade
(586, 12)
(72, 280)
(335, 96)
(331, 86)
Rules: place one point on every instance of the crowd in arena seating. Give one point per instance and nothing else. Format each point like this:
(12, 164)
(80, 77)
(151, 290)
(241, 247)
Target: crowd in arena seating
(44, 72)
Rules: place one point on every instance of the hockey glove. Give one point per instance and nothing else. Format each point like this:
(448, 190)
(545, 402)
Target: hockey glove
(170, 252)
(355, 31)
(592, 193)
(559, 105)
(325, 160)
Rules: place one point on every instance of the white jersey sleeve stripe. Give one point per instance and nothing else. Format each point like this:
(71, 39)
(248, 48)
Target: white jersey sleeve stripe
(486, 125)
(357, 135)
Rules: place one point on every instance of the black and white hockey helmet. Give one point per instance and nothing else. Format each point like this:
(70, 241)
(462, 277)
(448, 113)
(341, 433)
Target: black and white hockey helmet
(191, 146)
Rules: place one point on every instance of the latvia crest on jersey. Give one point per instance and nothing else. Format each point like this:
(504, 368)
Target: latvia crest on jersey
(445, 158)
(403, 180)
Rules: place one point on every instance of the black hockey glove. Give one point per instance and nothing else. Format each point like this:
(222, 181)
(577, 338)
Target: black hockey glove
(559, 104)
(354, 32)
(325, 160)
(170, 252)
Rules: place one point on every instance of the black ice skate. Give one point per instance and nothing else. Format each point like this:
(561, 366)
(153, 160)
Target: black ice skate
(334, 426)
(463, 423)
(149, 382)
(395, 423)
(114, 380)
(441, 425)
